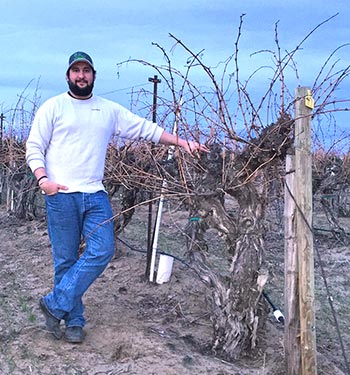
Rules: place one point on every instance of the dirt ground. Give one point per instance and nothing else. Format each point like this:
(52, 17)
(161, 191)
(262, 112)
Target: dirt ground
(136, 327)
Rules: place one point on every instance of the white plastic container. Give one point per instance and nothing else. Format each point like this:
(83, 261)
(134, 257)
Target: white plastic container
(165, 267)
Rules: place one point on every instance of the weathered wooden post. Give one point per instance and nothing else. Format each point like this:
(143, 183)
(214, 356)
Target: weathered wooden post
(303, 231)
(291, 285)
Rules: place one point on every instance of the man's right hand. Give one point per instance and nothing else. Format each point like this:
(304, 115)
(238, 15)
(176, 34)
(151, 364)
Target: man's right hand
(52, 188)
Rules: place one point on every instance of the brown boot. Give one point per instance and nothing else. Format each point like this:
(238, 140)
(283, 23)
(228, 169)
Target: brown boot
(74, 335)
(52, 323)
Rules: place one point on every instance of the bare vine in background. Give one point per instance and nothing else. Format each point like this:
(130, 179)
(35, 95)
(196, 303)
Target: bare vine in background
(18, 188)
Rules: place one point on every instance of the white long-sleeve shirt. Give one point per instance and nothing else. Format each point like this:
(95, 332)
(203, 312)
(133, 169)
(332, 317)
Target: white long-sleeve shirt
(69, 138)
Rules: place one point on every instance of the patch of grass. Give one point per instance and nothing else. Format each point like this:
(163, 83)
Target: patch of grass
(27, 309)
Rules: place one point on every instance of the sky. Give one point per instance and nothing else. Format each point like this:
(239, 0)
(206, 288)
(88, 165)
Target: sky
(38, 36)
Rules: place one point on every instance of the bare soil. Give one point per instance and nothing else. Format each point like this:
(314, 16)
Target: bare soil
(137, 327)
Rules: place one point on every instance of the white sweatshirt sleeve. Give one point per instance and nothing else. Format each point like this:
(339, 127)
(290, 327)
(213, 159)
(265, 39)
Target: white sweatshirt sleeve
(132, 126)
(39, 137)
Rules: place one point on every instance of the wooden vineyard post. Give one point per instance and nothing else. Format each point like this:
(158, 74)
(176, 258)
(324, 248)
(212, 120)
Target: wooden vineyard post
(291, 285)
(304, 236)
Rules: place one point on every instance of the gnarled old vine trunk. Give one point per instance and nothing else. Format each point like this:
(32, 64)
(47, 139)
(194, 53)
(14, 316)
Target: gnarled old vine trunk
(237, 308)
(235, 299)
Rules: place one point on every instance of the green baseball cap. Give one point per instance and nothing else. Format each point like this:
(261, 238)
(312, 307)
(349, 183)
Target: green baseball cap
(80, 56)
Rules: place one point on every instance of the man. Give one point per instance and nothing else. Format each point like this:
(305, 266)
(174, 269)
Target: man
(66, 150)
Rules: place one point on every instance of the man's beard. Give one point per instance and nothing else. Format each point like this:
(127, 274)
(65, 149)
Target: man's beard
(80, 91)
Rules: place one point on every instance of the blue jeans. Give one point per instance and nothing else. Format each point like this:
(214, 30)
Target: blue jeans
(70, 218)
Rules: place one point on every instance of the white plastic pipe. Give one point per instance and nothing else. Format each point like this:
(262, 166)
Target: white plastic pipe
(160, 208)
(156, 233)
